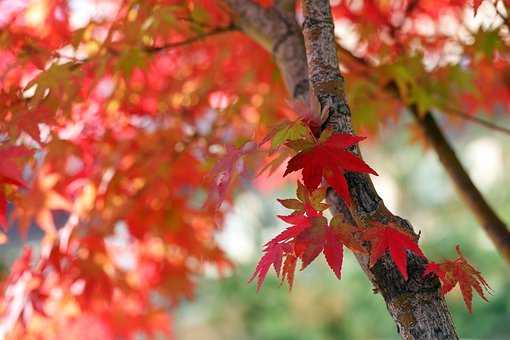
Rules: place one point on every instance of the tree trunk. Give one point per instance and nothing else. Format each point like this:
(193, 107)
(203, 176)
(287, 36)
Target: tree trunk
(416, 305)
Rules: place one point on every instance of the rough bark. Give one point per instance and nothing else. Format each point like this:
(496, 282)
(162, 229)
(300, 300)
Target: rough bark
(276, 29)
(495, 228)
(416, 305)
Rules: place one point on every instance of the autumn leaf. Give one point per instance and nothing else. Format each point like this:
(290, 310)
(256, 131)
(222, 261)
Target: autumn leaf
(331, 160)
(315, 199)
(310, 111)
(331, 239)
(387, 238)
(334, 252)
(328, 239)
(461, 272)
(476, 5)
(275, 162)
(349, 235)
(288, 132)
(291, 203)
(53, 79)
(304, 197)
(308, 236)
(310, 243)
(131, 59)
(300, 221)
(10, 173)
(272, 257)
(225, 169)
(487, 43)
(289, 269)
(40, 201)
(22, 264)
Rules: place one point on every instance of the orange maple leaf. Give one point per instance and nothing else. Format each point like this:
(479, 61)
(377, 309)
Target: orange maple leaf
(41, 200)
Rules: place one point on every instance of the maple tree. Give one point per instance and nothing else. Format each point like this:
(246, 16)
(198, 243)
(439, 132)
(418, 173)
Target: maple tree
(140, 123)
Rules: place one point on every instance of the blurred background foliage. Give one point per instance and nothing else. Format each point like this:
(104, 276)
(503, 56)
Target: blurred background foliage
(319, 307)
(414, 185)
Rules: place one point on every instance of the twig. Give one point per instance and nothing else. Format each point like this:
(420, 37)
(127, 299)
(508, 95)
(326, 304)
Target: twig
(495, 228)
(449, 111)
(154, 49)
(477, 120)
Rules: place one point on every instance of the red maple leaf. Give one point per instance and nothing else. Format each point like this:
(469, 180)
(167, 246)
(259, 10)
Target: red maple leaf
(308, 236)
(10, 172)
(334, 252)
(272, 257)
(28, 281)
(328, 239)
(274, 249)
(299, 223)
(451, 272)
(310, 243)
(299, 220)
(387, 238)
(331, 160)
(289, 268)
(43, 200)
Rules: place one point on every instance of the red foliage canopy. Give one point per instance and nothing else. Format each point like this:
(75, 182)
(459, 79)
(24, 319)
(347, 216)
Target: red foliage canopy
(125, 115)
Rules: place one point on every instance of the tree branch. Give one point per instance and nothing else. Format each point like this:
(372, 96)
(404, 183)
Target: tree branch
(477, 120)
(416, 305)
(495, 228)
(275, 28)
(449, 111)
(213, 32)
